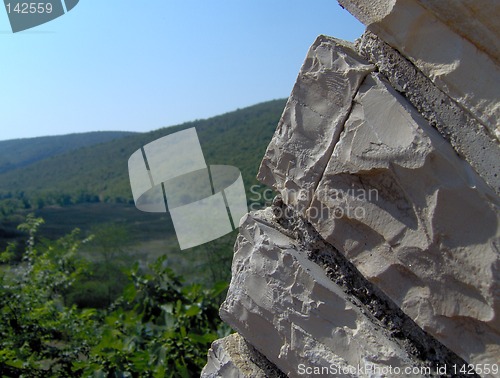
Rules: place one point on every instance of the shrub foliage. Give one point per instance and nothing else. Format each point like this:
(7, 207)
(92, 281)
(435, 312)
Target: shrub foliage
(159, 327)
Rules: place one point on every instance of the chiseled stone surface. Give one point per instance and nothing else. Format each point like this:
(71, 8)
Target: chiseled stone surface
(327, 82)
(416, 220)
(458, 67)
(285, 306)
(393, 196)
(322, 314)
(467, 136)
(475, 20)
(233, 357)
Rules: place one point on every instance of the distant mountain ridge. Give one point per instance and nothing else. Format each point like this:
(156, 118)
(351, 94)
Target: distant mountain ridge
(99, 172)
(18, 153)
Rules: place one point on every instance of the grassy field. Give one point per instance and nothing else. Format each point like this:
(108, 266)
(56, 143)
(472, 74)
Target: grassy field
(146, 236)
(132, 236)
(90, 216)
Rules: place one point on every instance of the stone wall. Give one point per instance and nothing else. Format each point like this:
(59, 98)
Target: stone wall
(380, 257)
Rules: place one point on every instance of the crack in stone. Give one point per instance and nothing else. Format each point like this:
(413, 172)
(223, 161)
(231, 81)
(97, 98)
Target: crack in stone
(331, 147)
(370, 299)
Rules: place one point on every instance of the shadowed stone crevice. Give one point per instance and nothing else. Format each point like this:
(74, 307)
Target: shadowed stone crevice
(470, 139)
(374, 303)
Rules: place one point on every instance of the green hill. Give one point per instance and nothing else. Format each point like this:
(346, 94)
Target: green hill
(18, 153)
(89, 187)
(99, 173)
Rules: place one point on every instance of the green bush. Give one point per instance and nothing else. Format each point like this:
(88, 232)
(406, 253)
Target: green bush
(159, 327)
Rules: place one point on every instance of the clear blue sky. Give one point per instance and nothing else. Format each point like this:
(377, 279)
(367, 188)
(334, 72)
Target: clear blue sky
(142, 65)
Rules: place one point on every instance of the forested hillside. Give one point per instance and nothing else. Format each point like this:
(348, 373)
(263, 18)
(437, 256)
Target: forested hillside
(99, 173)
(18, 153)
